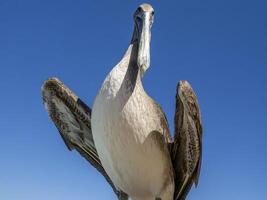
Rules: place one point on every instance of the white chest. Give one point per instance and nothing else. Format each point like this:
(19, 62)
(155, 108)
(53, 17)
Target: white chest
(123, 126)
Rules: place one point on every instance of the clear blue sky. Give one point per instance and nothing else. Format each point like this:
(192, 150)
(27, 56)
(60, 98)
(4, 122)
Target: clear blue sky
(220, 47)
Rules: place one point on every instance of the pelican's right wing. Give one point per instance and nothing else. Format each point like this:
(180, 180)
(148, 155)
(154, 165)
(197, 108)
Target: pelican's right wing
(72, 118)
(187, 144)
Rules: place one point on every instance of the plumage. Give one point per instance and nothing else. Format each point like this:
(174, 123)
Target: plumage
(126, 136)
(187, 145)
(72, 118)
(136, 157)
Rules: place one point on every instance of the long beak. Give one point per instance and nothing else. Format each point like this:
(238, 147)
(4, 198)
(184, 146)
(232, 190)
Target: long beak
(143, 59)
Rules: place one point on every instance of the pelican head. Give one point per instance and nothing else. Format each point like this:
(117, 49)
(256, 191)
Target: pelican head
(143, 18)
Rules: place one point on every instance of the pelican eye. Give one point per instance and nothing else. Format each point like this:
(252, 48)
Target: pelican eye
(138, 17)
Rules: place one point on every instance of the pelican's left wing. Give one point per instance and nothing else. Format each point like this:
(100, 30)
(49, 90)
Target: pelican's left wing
(187, 145)
(72, 118)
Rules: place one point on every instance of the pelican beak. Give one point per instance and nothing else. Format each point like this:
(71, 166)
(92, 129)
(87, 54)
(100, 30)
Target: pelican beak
(144, 24)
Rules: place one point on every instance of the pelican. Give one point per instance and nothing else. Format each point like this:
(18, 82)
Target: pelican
(126, 135)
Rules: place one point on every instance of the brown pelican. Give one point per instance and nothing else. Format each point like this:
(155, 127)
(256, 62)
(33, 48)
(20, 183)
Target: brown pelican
(126, 135)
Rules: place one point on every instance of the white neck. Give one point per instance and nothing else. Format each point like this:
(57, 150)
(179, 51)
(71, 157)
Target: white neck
(125, 76)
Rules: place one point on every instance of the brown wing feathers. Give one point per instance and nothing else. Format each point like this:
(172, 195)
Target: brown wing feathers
(72, 118)
(186, 148)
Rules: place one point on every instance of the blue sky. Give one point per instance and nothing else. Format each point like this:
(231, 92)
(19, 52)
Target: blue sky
(220, 47)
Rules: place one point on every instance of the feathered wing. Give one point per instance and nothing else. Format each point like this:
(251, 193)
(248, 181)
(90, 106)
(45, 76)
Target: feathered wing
(187, 145)
(72, 118)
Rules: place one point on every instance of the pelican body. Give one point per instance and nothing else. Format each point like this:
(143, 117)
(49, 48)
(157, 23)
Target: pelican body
(127, 124)
(126, 136)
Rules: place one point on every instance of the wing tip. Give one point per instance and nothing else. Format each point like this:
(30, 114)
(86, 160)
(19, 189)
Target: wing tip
(49, 86)
(183, 85)
(53, 86)
(51, 81)
(49, 90)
